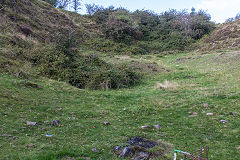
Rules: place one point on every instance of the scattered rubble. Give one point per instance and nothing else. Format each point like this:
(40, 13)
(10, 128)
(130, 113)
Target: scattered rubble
(136, 148)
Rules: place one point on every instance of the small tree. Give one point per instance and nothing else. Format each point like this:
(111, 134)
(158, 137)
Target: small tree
(76, 5)
(92, 8)
(62, 3)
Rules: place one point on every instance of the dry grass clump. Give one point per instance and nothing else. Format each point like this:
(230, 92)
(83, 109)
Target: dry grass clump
(167, 85)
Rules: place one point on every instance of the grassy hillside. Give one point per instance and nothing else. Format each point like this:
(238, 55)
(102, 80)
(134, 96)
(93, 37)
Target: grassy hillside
(58, 65)
(38, 40)
(225, 36)
(202, 84)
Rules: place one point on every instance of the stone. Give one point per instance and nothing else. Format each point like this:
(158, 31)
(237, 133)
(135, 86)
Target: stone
(141, 142)
(234, 113)
(29, 123)
(116, 148)
(223, 121)
(6, 135)
(238, 147)
(55, 123)
(157, 126)
(205, 105)
(209, 114)
(146, 127)
(95, 150)
(194, 114)
(106, 123)
(127, 151)
(143, 156)
(30, 145)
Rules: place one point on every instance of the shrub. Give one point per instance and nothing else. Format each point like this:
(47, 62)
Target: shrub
(81, 71)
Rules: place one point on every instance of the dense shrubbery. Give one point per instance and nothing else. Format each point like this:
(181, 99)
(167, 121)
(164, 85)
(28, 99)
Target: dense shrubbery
(170, 30)
(80, 70)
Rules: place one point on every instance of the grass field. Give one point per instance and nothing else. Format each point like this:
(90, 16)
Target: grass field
(207, 83)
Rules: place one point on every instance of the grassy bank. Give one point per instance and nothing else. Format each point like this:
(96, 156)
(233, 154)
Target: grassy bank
(202, 84)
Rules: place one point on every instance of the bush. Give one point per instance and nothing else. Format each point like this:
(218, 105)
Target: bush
(96, 74)
(81, 71)
(148, 32)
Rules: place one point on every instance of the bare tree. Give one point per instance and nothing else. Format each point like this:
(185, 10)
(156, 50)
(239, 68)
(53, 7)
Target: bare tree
(76, 5)
(63, 3)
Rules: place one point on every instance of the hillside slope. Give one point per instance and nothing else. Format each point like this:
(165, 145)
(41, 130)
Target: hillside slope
(225, 36)
(37, 20)
(38, 40)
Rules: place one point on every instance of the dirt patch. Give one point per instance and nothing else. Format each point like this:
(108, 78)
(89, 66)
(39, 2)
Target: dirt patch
(139, 148)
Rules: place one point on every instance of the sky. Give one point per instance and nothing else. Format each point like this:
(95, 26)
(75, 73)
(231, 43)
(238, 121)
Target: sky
(220, 10)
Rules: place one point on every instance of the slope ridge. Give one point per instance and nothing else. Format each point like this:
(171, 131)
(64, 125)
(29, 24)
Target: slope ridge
(225, 36)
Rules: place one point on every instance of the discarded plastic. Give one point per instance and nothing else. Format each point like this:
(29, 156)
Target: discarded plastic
(49, 135)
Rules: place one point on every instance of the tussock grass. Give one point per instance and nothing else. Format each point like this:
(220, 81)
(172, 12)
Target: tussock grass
(167, 85)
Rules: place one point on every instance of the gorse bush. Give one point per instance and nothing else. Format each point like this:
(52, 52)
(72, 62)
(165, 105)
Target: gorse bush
(91, 72)
(172, 30)
(80, 70)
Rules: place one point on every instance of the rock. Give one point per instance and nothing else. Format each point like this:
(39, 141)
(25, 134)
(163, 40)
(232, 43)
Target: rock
(238, 147)
(194, 114)
(116, 148)
(146, 127)
(127, 151)
(209, 114)
(141, 142)
(205, 105)
(32, 85)
(30, 145)
(5, 135)
(55, 123)
(95, 150)
(157, 126)
(143, 156)
(29, 123)
(106, 123)
(223, 121)
(234, 113)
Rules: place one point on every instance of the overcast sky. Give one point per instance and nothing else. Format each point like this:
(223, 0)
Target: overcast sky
(220, 10)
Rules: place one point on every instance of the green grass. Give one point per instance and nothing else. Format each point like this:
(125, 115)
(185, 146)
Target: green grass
(212, 79)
